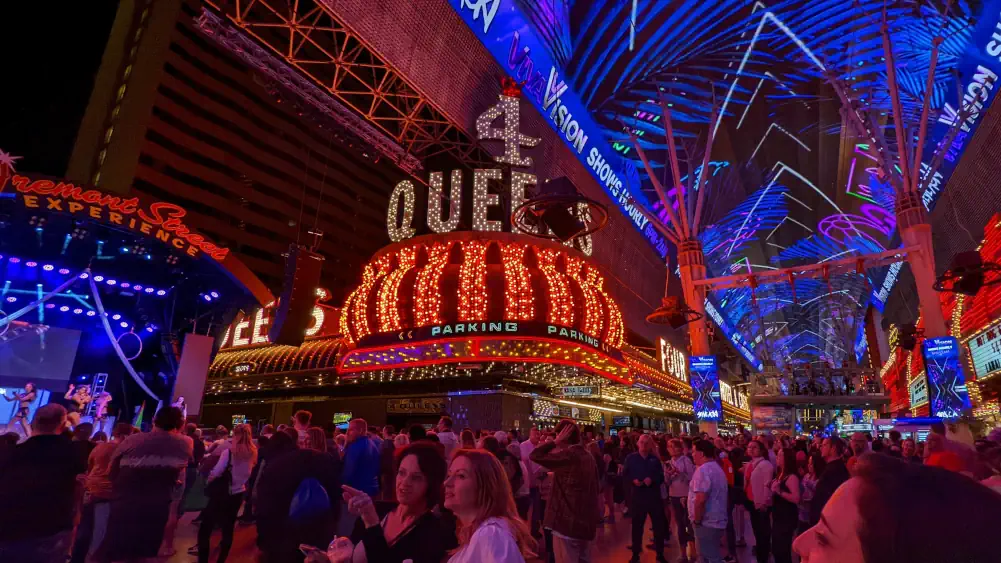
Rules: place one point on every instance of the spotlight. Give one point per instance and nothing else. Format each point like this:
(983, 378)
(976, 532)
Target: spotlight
(124, 285)
(31, 264)
(161, 293)
(91, 314)
(115, 317)
(15, 260)
(99, 278)
(11, 299)
(112, 282)
(149, 329)
(64, 271)
(124, 324)
(84, 276)
(148, 290)
(207, 297)
(137, 287)
(77, 311)
(48, 267)
(214, 295)
(50, 306)
(64, 308)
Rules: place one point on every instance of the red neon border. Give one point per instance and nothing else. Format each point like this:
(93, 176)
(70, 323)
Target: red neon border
(476, 350)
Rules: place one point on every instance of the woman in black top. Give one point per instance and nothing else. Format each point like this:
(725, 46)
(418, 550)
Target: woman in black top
(785, 506)
(410, 529)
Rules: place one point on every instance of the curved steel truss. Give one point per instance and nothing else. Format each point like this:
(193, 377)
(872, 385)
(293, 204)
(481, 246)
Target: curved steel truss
(308, 37)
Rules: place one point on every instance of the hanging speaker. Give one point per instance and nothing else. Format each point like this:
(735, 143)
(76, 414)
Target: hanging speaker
(295, 307)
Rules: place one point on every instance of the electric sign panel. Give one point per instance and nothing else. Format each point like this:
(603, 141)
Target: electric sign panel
(705, 388)
(947, 386)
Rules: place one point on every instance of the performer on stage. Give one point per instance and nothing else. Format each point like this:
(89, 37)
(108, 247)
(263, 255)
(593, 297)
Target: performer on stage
(24, 400)
(78, 401)
(179, 403)
(101, 413)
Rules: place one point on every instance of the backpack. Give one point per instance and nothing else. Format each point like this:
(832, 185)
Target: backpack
(310, 499)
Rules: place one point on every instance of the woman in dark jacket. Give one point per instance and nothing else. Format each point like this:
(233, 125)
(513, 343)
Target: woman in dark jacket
(411, 528)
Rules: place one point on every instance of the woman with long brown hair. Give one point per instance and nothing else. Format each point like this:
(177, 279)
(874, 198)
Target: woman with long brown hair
(233, 468)
(478, 493)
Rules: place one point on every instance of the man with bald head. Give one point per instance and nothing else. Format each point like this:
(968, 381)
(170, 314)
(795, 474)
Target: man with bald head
(644, 471)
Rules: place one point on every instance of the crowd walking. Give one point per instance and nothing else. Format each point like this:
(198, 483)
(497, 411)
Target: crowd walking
(377, 495)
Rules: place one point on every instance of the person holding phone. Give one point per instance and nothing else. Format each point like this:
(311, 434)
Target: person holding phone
(407, 530)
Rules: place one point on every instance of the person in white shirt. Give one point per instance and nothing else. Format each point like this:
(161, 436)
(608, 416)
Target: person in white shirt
(447, 437)
(478, 493)
(532, 472)
(240, 457)
(679, 471)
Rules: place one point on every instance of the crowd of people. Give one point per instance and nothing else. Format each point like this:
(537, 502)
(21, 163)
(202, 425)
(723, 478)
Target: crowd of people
(377, 495)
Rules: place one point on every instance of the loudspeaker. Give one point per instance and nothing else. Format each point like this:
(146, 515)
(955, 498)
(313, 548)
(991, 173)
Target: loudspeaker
(295, 307)
(559, 218)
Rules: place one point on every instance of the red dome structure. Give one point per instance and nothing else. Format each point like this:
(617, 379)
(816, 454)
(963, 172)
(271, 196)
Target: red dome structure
(489, 277)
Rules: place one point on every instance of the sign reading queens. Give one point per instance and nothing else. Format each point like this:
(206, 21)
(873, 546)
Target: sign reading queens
(495, 192)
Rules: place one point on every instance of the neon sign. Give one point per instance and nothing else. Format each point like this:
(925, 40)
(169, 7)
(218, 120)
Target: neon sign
(252, 329)
(672, 361)
(506, 329)
(985, 351)
(160, 220)
(507, 34)
(400, 227)
(705, 388)
(949, 397)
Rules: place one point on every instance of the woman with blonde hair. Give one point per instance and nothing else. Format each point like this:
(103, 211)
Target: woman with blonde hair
(478, 493)
(227, 483)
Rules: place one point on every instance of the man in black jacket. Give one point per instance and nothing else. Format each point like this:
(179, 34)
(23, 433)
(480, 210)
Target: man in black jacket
(835, 473)
(38, 490)
(279, 484)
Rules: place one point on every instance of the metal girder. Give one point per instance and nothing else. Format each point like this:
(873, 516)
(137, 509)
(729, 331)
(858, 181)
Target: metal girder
(307, 36)
(845, 265)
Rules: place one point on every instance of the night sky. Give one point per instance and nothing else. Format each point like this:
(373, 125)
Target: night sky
(51, 54)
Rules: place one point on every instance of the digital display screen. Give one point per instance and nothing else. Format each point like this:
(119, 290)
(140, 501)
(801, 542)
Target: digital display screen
(43, 353)
(341, 420)
(705, 387)
(946, 384)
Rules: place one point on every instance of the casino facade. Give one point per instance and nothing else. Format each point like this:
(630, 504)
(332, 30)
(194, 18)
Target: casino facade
(200, 107)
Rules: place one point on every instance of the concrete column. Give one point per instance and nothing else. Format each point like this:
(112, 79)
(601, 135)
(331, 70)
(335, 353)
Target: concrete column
(915, 231)
(692, 266)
